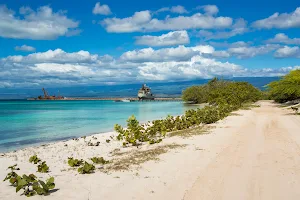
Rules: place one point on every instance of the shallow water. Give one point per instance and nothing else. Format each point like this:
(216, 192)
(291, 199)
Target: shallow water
(25, 123)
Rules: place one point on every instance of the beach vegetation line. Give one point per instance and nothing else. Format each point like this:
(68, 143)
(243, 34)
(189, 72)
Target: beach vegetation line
(285, 89)
(222, 97)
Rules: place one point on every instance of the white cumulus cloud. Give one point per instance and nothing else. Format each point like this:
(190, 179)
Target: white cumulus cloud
(280, 21)
(57, 55)
(284, 39)
(101, 9)
(239, 28)
(180, 53)
(143, 22)
(196, 67)
(57, 67)
(174, 9)
(169, 39)
(43, 24)
(251, 51)
(288, 52)
(209, 9)
(24, 48)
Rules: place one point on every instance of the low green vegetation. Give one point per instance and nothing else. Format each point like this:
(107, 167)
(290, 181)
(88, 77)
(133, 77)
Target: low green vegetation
(42, 166)
(218, 92)
(29, 183)
(135, 133)
(99, 160)
(222, 96)
(286, 89)
(85, 167)
(34, 159)
(74, 162)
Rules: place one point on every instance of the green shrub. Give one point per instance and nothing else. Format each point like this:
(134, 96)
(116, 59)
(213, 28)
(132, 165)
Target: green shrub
(196, 94)
(34, 159)
(12, 176)
(286, 89)
(222, 92)
(86, 168)
(99, 160)
(134, 132)
(43, 167)
(29, 183)
(32, 186)
(74, 162)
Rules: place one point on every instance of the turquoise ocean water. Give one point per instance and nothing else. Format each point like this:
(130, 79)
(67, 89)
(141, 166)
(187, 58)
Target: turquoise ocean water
(27, 123)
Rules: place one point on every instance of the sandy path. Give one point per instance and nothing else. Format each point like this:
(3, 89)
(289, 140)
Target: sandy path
(261, 162)
(254, 154)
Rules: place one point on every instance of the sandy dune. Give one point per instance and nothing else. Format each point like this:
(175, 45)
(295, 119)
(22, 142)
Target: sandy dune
(253, 154)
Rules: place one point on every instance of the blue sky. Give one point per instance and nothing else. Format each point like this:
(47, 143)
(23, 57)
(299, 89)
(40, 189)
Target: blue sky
(53, 43)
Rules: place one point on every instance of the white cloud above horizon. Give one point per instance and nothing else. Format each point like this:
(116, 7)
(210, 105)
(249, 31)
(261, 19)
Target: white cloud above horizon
(101, 9)
(174, 9)
(238, 28)
(243, 52)
(43, 24)
(180, 53)
(280, 21)
(283, 39)
(288, 52)
(143, 22)
(168, 39)
(209, 9)
(55, 67)
(24, 48)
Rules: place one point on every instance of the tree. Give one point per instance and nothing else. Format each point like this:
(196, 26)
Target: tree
(286, 89)
(222, 92)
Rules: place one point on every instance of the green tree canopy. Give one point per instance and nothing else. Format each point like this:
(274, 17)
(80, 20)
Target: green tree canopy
(286, 89)
(222, 92)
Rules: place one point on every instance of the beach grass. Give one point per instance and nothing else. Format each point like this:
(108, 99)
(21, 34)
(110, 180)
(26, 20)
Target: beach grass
(199, 130)
(125, 160)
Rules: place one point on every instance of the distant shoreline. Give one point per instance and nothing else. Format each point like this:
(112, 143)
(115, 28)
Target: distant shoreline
(108, 98)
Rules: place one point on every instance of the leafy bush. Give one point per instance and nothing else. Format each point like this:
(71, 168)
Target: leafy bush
(99, 160)
(43, 167)
(222, 92)
(86, 168)
(29, 183)
(286, 89)
(133, 134)
(12, 176)
(34, 159)
(74, 162)
(196, 94)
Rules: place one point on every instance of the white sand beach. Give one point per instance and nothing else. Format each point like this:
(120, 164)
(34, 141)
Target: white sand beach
(252, 154)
